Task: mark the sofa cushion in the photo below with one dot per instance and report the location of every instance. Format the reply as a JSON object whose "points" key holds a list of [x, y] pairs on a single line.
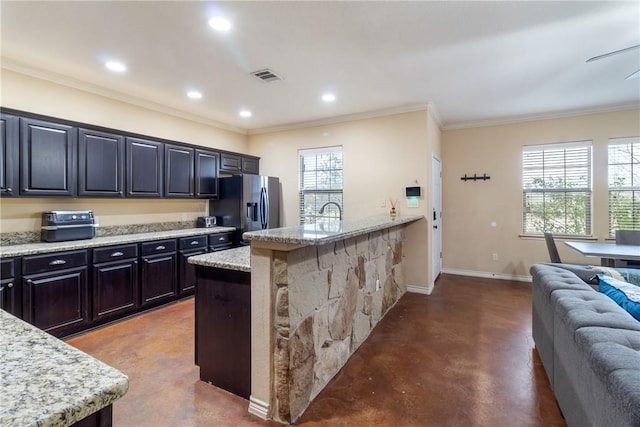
{"points": [[578, 309], [624, 294], [548, 278]]}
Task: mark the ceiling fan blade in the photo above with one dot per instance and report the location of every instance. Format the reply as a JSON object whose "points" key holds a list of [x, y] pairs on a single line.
{"points": [[615, 52], [632, 75]]}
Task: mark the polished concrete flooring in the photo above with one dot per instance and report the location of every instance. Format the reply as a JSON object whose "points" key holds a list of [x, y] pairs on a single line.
{"points": [[463, 356]]}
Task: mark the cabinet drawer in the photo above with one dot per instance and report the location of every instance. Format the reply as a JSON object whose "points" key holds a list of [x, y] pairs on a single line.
{"points": [[158, 247], [220, 239], [51, 262], [114, 253], [194, 242], [8, 268]]}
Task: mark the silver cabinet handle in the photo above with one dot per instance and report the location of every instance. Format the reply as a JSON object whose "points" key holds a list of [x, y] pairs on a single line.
{"points": [[220, 239], [58, 262], [159, 248], [10, 285], [194, 242], [117, 254], [9, 190]]}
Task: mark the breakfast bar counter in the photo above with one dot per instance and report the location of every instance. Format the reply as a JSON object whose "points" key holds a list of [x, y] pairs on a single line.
{"points": [[48, 383]]}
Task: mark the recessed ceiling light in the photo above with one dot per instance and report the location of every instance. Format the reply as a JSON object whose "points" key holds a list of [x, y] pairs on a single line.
{"points": [[245, 113], [219, 23], [328, 97], [116, 66], [194, 94]]}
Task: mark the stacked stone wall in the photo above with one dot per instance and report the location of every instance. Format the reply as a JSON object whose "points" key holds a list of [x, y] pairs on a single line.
{"points": [[327, 300]]}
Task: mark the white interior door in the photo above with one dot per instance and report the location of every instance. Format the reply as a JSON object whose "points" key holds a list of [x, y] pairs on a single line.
{"points": [[436, 217]]}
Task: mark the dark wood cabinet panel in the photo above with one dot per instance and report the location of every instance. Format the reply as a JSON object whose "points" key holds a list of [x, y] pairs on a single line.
{"points": [[10, 286], [206, 174], [144, 168], [189, 246], [230, 163], [223, 328], [178, 168], [9, 155], [115, 289], [100, 164], [158, 275], [250, 165], [48, 159], [102, 418], [57, 302]]}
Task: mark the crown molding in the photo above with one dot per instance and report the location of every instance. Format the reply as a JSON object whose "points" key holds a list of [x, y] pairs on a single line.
{"points": [[341, 119], [18, 67], [431, 107], [544, 116]]}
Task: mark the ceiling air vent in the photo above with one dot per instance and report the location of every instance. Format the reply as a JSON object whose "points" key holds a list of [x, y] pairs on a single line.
{"points": [[266, 75]]}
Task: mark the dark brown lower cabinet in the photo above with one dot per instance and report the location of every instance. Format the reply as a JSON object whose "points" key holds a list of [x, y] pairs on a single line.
{"points": [[189, 246], [10, 287], [158, 274], [223, 328], [102, 418], [115, 282]]}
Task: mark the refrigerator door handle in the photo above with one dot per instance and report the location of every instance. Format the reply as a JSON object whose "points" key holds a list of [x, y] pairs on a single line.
{"points": [[264, 211]]}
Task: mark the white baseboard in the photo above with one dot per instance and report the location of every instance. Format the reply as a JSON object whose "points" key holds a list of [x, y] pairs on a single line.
{"points": [[420, 289], [258, 408], [487, 275]]}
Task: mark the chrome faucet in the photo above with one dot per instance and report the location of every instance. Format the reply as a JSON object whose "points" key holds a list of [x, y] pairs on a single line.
{"points": [[321, 211]]}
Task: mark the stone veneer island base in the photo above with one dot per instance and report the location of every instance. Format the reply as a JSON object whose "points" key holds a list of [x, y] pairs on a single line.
{"points": [[316, 293]]}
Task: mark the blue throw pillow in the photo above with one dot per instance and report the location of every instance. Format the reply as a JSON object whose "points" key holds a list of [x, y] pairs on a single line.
{"points": [[624, 294]]}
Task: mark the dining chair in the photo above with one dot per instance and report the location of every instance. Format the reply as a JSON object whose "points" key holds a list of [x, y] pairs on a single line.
{"points": [[628, 237], [551, 247]]}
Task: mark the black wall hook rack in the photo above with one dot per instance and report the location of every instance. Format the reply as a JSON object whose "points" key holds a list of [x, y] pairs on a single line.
{"points": [[484, 177]]}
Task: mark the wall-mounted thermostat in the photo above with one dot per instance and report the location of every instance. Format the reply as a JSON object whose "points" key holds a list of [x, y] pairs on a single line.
{"points": [[413, 191]]}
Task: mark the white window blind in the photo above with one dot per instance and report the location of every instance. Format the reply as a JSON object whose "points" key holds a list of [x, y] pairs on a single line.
{"points": [[320, 182], [557, 188], [624, 184]]}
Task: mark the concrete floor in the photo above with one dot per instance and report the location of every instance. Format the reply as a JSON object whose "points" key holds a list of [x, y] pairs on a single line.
{"points": [[463, 356]]}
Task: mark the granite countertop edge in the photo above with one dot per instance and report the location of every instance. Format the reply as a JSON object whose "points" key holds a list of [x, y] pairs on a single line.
{"points": [[349, 228], [47, 382], [238, 259], [46, 247]]}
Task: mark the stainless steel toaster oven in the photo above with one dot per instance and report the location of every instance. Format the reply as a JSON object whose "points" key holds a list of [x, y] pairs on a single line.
{"points": [[61, 226]]}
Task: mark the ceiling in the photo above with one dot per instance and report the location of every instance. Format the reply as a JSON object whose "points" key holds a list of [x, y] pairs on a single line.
{"points": [[472, 62]]}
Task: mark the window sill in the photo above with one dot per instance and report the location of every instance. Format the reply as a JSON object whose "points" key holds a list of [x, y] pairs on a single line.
{"points": [[558, 237]]}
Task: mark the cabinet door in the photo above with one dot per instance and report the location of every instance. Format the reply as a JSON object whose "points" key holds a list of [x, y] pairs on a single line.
{"points": [[48, 159], [187, 281], [115, 289], [57, 303], [206, 179], [158, 279], [8, 155], [230, 163], [250, 165], [10, 295], [100, 164], [178, 168], [144, 168]]}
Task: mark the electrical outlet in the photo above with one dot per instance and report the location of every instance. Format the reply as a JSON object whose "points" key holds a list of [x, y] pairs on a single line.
{"points": [[383, 203], [494, 257], [377, 285], [184, 217]]}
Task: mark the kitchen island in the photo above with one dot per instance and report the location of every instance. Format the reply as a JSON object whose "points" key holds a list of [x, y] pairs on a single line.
{"points": [[46, 382], [315, 293]]}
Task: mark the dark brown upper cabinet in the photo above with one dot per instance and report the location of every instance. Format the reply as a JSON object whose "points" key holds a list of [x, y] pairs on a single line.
{"points": [[48, 158], [144, 168], [178, 167], [230, 163], [250, 165], [206, 178], [9, 155], [100, 164]]}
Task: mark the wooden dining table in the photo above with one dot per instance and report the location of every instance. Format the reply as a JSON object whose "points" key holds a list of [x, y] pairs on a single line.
{"points": [[607, 252]]}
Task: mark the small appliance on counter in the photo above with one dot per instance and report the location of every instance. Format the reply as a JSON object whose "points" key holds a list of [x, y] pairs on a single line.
{"points": [[61, 226], [206, 221]]}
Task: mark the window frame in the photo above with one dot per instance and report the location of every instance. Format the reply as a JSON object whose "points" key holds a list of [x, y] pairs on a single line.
{"points": [[634, 188], [564, 165], [333, 194]]}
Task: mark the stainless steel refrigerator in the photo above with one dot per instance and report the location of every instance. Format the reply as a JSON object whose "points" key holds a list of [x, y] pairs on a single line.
{"points": [[248, 203]]}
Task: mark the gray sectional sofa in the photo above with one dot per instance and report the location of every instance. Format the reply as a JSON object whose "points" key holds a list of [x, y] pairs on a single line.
{"points": [[589, 346]]}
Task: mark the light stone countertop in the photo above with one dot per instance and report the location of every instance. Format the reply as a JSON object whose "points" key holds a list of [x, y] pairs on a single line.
{"points": [[45, 247], [328, 231], [238, 259], [46, 382]]}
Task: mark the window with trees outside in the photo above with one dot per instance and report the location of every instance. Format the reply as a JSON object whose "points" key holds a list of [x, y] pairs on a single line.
{"points": [[320, 183], [624, 184], [557, 188]]}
